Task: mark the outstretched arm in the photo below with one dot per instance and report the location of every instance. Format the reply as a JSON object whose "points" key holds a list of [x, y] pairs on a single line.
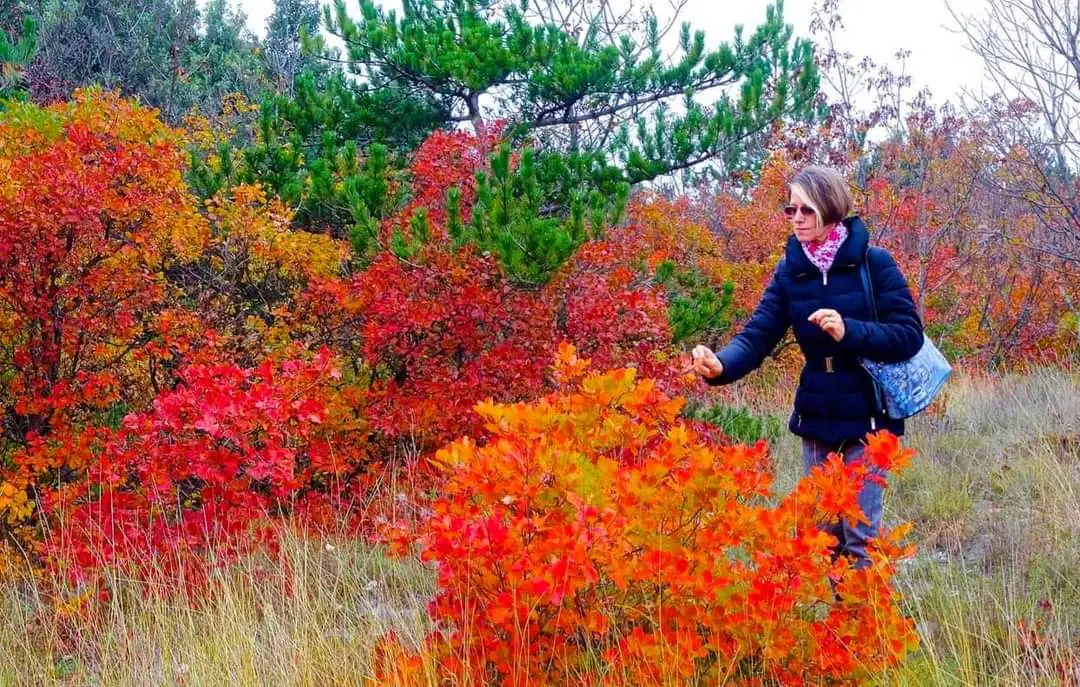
{"points": [[758, 338]]}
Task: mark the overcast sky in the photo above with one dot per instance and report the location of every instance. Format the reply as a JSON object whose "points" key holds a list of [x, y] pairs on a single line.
{"points": [[873, 28]]}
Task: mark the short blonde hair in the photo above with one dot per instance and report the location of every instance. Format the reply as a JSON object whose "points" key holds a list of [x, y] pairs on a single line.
{"points": [[825, 190]]}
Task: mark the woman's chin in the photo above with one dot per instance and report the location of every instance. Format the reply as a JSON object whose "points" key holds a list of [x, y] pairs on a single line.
{"points": [[805, 236]]}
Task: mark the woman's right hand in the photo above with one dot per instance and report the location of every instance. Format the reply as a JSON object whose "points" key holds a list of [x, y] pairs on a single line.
{"points": [[705, 362]]}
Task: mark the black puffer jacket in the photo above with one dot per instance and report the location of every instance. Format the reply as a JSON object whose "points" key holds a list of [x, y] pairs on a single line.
{"points": [[835, 401]]}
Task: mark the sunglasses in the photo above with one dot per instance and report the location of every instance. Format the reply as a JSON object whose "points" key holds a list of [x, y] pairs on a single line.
{"points": [[806, 210]]}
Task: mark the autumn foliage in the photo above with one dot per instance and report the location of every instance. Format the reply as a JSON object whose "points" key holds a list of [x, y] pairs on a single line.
{"points": [[431, 339], [183, 381], [592, 536], [93, 208], [202, 475]]}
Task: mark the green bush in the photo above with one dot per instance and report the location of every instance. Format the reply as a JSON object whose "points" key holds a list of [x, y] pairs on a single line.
{"points": [[738, 424]]}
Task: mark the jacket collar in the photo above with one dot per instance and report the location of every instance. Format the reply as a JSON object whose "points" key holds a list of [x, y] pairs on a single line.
{"points": [[852, 250]]}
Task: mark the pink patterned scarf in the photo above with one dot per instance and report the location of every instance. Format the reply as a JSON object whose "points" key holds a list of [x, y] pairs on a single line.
{"points": [[822, 253]]}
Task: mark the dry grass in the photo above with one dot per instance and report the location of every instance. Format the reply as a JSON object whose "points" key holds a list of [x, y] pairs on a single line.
{"points": [[995, 499], [994, 496], [311, 621]]}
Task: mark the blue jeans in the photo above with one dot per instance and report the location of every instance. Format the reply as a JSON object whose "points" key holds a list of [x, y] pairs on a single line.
{"points": [[852, 539]]}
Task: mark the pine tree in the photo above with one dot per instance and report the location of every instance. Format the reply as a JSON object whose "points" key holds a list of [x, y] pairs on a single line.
{"points": [[306, 149], [583, 88], [591, 110], [15, 55]]}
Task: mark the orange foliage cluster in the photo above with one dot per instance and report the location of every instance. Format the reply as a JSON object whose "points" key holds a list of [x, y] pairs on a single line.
{"points": [[594, 537]]}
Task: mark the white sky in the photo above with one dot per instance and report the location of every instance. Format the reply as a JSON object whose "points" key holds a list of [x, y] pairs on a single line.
{"points": [[873, 28]]}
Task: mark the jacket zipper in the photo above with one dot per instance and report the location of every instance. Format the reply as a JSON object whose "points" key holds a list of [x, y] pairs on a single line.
{"points": [[825, 282]]}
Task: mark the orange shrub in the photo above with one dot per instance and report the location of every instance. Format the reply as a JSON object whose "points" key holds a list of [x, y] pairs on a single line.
{"points": [[596, 538]]}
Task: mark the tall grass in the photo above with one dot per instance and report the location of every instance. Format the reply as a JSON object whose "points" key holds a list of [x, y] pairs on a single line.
{"points": [[308, 618], [995, 498], [995, 588]]}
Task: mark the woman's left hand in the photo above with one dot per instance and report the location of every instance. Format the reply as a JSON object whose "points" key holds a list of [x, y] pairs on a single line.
{"points": [[830, 322]]}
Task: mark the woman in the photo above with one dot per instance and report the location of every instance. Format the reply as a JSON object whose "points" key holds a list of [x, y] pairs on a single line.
{"points": [[818, 291]]}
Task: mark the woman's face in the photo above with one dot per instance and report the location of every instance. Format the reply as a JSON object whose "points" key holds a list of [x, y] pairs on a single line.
{"points": [[805, 221]]}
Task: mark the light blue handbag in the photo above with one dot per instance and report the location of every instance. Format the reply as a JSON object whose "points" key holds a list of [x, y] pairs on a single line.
{"points": [[906, 388]]}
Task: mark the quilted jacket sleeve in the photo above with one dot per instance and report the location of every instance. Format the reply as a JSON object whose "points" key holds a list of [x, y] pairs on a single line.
{"points": [[748, 349]]}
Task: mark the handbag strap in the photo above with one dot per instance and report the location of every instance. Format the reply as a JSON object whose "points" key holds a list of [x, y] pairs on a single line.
{"points": [[868, 289], [868, 285]]}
